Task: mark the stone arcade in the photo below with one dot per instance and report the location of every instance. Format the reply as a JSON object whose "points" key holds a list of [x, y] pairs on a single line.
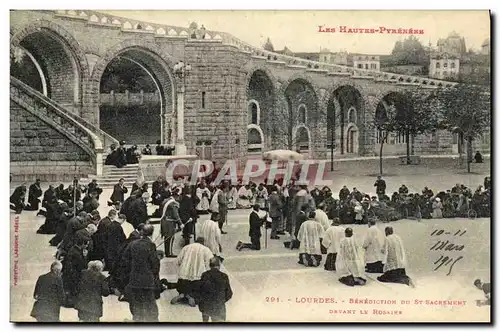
{"points": [[239, 100]]}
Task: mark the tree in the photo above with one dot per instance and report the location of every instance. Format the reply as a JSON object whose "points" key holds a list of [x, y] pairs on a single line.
{"points": [[409, 52], [385, 123], [466, 109], [419, 113]]}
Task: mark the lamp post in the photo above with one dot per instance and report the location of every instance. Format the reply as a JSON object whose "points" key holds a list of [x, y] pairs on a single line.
{"points": [[181, 71]]}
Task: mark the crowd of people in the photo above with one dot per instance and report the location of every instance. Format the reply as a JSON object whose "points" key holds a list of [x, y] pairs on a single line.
{"points": [[121, 156], [310, 221]]}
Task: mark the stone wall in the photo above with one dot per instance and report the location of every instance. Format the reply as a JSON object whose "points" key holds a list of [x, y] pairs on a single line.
{"points": [[39, 151], [222, 120]]}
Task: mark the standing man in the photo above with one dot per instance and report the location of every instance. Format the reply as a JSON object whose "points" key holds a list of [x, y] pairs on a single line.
{"points": [[187, 213], [73, 265], [215, 291], [115, 237], [275, 212], [223, 200], [381, 186], [48, 295], [119, 192], [395, 266], [169, 221], [144, 266]]}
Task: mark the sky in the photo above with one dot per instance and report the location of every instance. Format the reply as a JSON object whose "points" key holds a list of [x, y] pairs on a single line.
{"points": [[298, 30]]}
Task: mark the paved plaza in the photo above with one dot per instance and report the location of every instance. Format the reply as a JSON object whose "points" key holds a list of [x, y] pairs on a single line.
{"points": [[258, 278]]}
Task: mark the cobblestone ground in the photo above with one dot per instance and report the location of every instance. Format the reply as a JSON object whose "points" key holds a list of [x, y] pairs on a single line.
{"points": [[269, 284]]}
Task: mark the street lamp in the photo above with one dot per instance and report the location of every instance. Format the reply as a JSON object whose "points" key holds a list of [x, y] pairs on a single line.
{"points": [[181, 71]]}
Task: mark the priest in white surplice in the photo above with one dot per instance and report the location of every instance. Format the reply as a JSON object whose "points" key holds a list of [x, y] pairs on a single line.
{"points": [[331, 241], [350, 265], [395, 257], [321, 217], [309, 236], [373, 243], [193, 260], [210, 231], [203, 195], [214, 204], [244, 195], [232, 198]]}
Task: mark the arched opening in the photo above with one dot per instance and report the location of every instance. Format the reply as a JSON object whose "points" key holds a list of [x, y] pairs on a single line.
{"points": [[260, 96], [135, 93], [255, 140], [352, 139], [392, 106], [345, 108], [253, 112], [46, 62], [302, 139], [299, 109], [26, 68], [302, 114]]}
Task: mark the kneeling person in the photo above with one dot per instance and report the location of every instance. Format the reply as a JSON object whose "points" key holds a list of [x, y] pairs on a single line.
{"points": [[309, 236], [193, 260], [350, 265]]}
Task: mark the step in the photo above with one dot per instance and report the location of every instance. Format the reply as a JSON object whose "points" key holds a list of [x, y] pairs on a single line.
{"points": [[133, 166], [118, 176]]}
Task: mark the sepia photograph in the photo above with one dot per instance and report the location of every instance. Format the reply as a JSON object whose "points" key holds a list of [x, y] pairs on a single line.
{"points": [[250, 166]]}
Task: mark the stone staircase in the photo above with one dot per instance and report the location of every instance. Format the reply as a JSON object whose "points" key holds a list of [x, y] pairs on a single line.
{"points": [[111, 175]]}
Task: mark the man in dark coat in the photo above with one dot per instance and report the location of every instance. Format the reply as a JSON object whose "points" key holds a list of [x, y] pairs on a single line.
{"points": [[138, 211], [187, 211], [92, 288], [114, 238], [93, 187], [144, 266], [120, 158], [99, 238], [74, 224], [344, 193], [381, 186], [170, 220], [52, 214], [91, 203], [17, 199], [119, 192], [73, 264], [49, 295], [35, 192], [215, 291], [120, 274], [48, 196], [275, 211], [256, 222]]}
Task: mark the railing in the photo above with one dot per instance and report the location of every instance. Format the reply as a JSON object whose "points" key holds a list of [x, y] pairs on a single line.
{"points": [[59, 119], [105, 138], [130, 25]]}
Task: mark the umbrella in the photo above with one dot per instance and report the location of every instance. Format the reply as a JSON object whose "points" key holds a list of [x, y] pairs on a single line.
{"points": [[282, 155]]}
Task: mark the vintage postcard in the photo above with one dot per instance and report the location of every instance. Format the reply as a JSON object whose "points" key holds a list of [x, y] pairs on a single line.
{"points": [[250, 166]]}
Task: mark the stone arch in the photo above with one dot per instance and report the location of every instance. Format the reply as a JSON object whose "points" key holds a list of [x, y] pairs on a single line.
{"points": [[70, 46], [250, 116], [160, 64], [303, 77], [302, 117], [261, 87], [253, 146], [250, 69], [352, 138], [340, 107], [297, 131]]}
